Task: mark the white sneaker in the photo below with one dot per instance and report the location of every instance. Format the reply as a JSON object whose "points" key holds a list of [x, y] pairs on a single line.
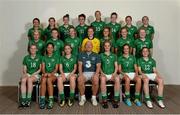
{"points": [[161, 104], [94, 101], [149, 104], [82, 101]]}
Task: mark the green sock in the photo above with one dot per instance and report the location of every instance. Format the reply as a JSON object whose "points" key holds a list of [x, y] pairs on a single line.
{"points": [[116, 95], [29, 95], [23, 95], [127, 94], [137, 95], [159, 98], [42, 97], [61, 95], [147, 98], [71, 95], [104, 96], [51, 98]]}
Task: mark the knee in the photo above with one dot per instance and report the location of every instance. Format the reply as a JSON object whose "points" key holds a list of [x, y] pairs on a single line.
{"points": [[117, 80], [80, 80], [49, 81], [146, 80], [103, 80], [72, 78], [43, 80], [59, 79], [95, 81], [23, 80], [138, 80], [160, 81], [127, 80]]}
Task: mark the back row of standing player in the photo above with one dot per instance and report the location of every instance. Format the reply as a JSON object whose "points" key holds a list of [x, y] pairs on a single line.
{"points": [[98, 32]]}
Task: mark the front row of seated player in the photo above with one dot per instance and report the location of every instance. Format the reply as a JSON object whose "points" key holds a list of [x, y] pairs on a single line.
{"points": [[91, 66]]}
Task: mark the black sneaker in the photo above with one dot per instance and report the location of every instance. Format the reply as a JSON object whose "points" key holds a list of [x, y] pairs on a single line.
{"points": [[42, 103], [105, 104], [70, 102], [62, 103], [22, 102], [28, 102], [115, 104], [50, 104]]}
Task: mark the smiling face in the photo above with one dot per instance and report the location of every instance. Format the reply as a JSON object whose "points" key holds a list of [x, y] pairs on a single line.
{"points": [[33, 49], [50, 49], [36, 23], [54, 34], [113, 18], [67, 50], [36, 35], [107, 46], [145, 20], [88, 46], [98, 15], [145, 52], [90, 32], [126, 49], [52, 22], [128, 21], [106, 32], [66, 20], [142, 33], [81, 20], [124, 33], [72, 32]]}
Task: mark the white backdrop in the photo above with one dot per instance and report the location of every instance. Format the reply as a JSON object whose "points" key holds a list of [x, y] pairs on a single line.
{"points": [[15, 16]]}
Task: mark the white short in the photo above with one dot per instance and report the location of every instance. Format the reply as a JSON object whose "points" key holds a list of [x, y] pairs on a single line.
{"points": [[56, 74], [88, 75], [108, 77], [151, 76], [67, 76], [130, 75], [36, 76]]}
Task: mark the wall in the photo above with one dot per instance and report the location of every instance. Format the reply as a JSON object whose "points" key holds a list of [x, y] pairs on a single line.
{"points": [[16, 17]]}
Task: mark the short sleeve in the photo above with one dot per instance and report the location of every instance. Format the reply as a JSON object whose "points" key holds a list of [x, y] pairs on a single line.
{"points": [[24, 61], [98, 60], [80, 57]]}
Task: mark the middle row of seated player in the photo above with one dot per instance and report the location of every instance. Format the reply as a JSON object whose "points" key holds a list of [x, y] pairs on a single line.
{"points": [[135, 46], [90, 67]]}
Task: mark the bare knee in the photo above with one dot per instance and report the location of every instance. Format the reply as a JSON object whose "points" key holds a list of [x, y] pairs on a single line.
{"points": [[80, 80]]}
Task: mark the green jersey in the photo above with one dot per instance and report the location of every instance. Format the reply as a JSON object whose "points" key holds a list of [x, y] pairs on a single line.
{"points": [[75, 44], [132, 31], [139, 44], [98, 26], [81, 32], [58, 46], [108, 63], [115, 28], [50, 63], [68, 64], [149, 31], [147, 66], [64, 31], [102, 40], [127, 63], [121, 42], [39, 44], [32, 64], [31, 33], [47, 33]]}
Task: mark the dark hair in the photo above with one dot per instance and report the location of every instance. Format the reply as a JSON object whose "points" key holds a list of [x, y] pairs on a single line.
{"points": [[50, 43], [36, 19], [97, 12], [82, 15], [110, 33], [143, 49], [121, 31], [90, 27], [67, 45], [52, 18], [124, 46], [128, 17], [145, 17], [55, 29], [66, 16], [107, 41], [29, 46], [114, 13]]}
